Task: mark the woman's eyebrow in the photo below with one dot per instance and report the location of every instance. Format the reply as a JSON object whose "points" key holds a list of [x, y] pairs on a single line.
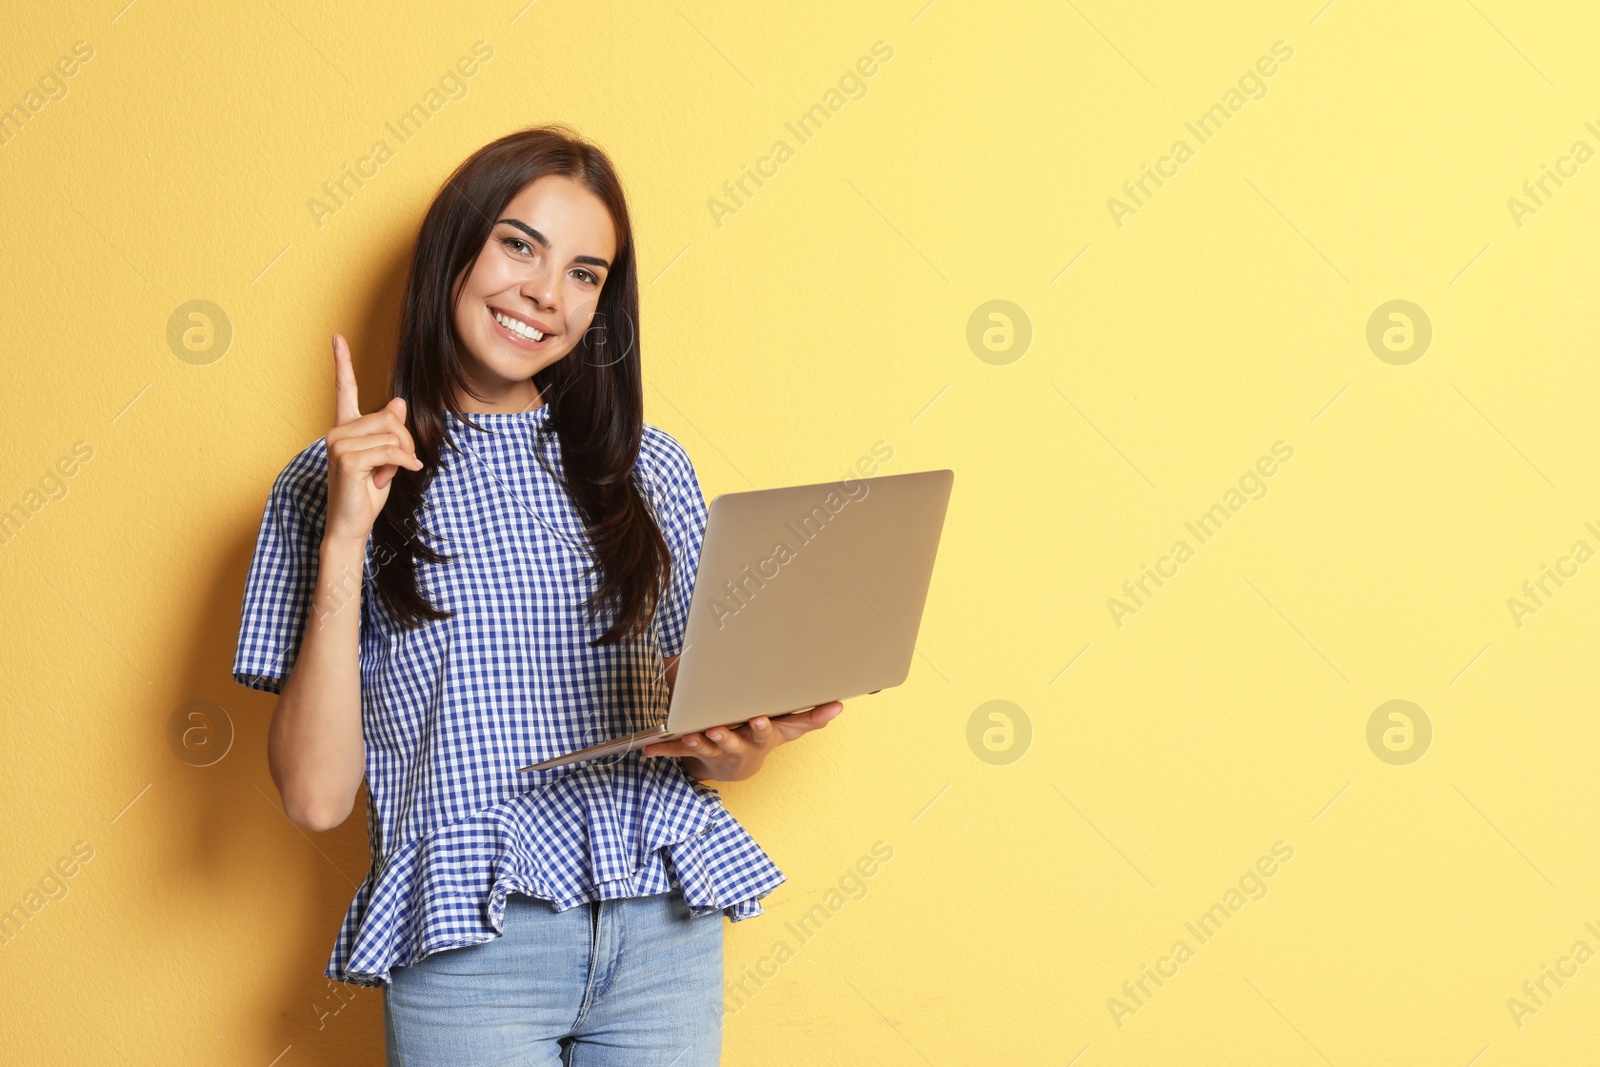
{"points": [[544, 242]]}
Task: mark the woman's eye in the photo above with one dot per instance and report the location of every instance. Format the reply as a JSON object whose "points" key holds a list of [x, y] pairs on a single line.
{"points": [[589, 277], [520, 244]]}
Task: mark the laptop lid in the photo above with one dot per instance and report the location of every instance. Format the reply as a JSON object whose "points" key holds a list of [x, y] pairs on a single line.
{"points": [[806, 594]]}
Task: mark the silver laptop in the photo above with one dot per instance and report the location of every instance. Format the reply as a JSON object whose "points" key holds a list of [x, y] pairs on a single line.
{"points": [[803, 595]]}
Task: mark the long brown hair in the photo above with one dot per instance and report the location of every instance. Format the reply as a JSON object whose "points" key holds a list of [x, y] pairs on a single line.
{"points": [[594, 392]]}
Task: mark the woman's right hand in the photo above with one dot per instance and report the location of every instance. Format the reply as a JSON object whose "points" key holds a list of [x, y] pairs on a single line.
{"points": [[364, 451]]}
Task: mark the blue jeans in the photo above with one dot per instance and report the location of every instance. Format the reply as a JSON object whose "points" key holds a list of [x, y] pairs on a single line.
{"points": [[634, 981]]}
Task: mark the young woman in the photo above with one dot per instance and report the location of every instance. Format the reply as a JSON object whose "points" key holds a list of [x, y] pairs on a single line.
{"points": [[491, 569]]}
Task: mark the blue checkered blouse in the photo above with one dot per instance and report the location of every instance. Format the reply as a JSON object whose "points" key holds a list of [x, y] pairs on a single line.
{"points": [[450, 710]]}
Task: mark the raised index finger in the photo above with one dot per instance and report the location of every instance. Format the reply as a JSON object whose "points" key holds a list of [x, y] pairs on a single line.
{"points": [[345, 406]]}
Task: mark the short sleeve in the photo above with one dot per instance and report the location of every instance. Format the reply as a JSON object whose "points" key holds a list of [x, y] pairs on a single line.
{"points": [[682, 509], [281, 585]]}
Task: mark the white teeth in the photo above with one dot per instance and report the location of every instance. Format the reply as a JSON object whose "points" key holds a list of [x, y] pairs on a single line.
{"points": [[518, 327]]}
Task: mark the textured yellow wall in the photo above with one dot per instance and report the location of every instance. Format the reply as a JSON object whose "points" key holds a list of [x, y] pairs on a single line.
{"points": [[1381, 879]]}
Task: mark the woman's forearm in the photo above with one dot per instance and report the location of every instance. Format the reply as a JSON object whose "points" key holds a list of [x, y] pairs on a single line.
{"points": [[315, 747]]}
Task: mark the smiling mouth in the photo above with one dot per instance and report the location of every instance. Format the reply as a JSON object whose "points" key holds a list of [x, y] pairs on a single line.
{"points": [[518, 330]]}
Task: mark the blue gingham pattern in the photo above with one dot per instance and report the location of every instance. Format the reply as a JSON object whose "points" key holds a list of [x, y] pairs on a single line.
{"points": [[451, 709]]}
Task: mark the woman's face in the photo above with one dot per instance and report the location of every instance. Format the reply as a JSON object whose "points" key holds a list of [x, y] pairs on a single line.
{"points": [[541, 271]]}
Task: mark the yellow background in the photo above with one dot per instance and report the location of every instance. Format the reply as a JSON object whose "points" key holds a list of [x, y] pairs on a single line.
{"points": [[828, 313]]}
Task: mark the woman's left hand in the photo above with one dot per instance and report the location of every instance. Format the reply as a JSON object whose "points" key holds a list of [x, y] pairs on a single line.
{"points": [[728, 754]]}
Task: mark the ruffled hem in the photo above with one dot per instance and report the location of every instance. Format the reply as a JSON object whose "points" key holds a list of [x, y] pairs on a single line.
{"points": [[569, 841]]}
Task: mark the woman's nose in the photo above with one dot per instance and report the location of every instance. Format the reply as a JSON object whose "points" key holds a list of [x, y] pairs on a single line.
{"points": [[540, 287]]}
